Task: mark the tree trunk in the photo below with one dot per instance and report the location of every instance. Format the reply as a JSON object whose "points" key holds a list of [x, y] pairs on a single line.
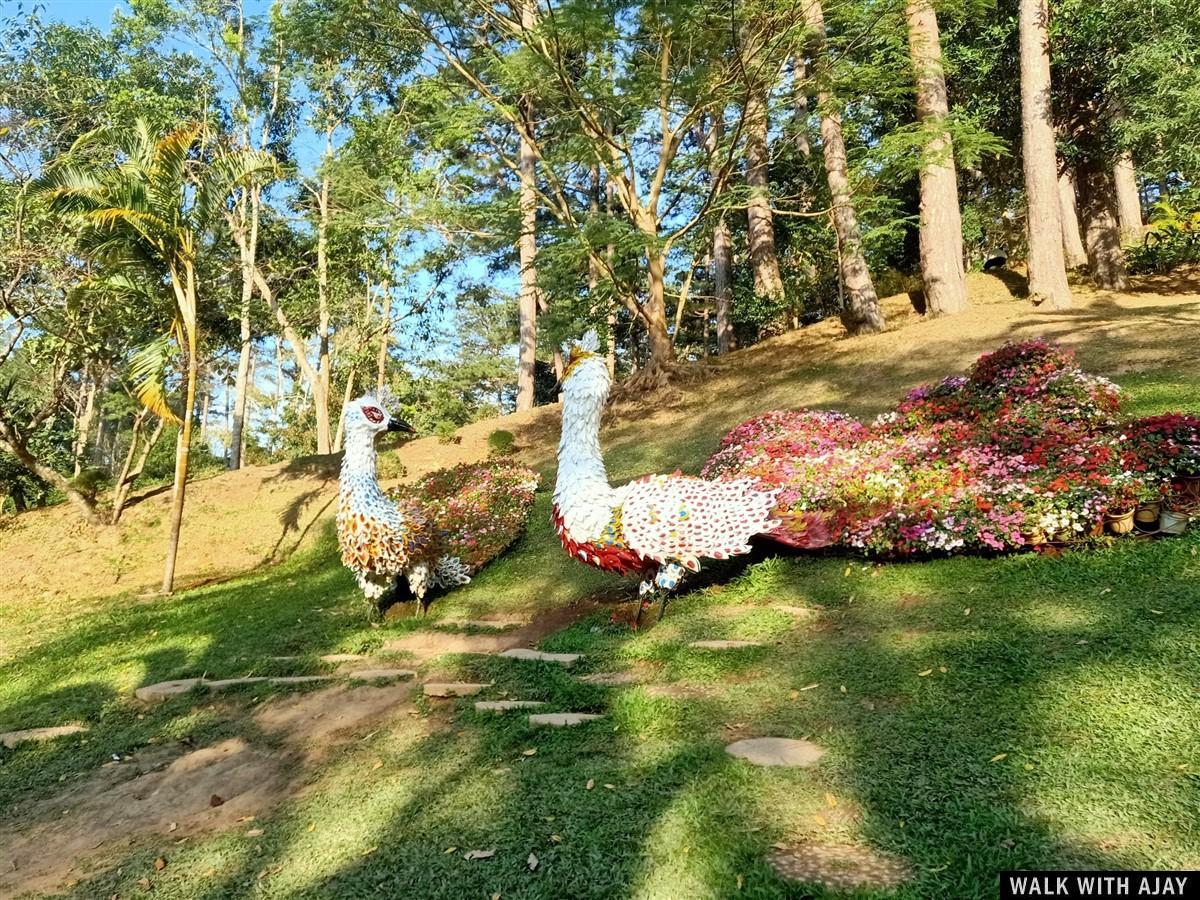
{"points": [[654, 314], [861, 312], [248, 253], [320, 394], [722, 254], [941, 219], [83, 421], [1044, 219], [528, 302], [1076, 256], [385, 338], [1101, 231], [1129, 201], [761, 223], [130, 471], [800, 106], [183, 446], [14, 443]]}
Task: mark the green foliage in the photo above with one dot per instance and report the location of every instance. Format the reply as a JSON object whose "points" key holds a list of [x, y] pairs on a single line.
{"points": [[500, 442]]}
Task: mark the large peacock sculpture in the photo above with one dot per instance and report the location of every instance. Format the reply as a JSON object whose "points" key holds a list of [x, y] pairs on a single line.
{"points": [[658, 526], [381, 540]]}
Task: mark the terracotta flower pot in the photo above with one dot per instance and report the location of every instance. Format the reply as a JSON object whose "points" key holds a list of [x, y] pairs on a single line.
{"points": [[1173, 522], [1146, 515], [1120, 522]]}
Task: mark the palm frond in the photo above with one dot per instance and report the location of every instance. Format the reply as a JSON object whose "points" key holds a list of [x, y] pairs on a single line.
{"points": [[147, 369]]}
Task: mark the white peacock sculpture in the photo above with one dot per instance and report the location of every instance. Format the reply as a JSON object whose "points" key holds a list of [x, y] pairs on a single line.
{"points": [[659, 526], [381, 540]]}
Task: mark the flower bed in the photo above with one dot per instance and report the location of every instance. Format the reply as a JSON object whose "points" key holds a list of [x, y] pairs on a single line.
{"points": [[1025, 449], [479, 509]]}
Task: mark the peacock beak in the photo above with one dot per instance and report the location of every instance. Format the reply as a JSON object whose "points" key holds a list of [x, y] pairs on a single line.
{"points": [[400, 425]]}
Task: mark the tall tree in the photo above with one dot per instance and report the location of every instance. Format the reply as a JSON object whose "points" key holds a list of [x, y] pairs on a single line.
{"points": [[862, 312], [1101, 227], [1129, 200], [1047, 267], [941, 219], [764, 259], [1076, 256], [528, 304]]}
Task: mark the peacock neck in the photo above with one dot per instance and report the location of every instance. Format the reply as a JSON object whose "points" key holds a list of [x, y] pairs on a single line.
{"points": [[358, 480], [582, 492]]}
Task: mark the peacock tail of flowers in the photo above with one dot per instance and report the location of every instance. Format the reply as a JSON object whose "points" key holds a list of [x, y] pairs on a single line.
{"points": [[1024, 449], [478, 509]]}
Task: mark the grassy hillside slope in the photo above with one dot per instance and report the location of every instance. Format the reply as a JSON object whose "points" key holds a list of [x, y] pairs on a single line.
{"points": [[978, 714]]}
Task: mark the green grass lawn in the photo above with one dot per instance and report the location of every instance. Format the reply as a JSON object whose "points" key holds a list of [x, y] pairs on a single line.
{"points": [[979, 714]]}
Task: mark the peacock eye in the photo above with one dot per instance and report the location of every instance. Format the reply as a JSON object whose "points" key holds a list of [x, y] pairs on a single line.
{"points": [[373, 414]]}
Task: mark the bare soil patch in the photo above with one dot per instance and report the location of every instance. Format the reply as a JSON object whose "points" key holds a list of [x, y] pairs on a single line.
{"points": [[166, 794]]}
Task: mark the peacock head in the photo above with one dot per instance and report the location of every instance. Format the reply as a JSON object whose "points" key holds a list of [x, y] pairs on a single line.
{"points": [[586, 378], [368, 415]]}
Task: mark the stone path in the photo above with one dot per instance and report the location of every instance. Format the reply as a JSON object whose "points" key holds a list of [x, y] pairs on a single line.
{"points": [[566, 659], [562, 719], [505, 705], [163, 690], [842, 867], [11, 739], [774, 751], [724, 645], [453, 688]]}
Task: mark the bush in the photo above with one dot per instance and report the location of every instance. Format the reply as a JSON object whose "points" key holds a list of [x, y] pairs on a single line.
{"points": [[1026, 448], [501, 442]]}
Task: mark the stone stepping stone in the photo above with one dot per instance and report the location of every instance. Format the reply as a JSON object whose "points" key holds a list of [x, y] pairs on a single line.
{"points": [[724, 645], [609, 679], [503, 705], [342, 657], [840, 867], [773, 751], [380, 674], [562, 720], [11, 739], [452, 688], [298, 679], [233, 682], [166, 689], [566, 659]]}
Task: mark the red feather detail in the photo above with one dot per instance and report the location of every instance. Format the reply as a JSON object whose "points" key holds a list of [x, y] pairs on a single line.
{"points": [[619, 560]]}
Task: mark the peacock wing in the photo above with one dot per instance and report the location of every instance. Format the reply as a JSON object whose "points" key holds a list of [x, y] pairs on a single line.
{"points": [[684, 519]]}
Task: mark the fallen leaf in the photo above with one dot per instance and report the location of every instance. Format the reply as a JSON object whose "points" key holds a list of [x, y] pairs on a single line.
{"points": [[369, 851], [1157, 612], [942, 669], [378, 765], [780, 846], [216, 800], [480, 854], [810, 687], [246, 819], [998, 757], [591, 783], [842, 689], [926, 672], [450, 849], [549, 818], [794, 695], [611, 787], [254, 832], [1008, 843], [532, 751], [830, 800], [532, 862], [172, 826], [846, 574], [556, 838], [1029, 767], [967, 611], [143, 883], [312, 826], [496, 896], [740, 882], [821, 821], [160, 864]]}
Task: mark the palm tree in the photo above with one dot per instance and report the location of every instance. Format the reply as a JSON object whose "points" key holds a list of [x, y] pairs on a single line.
{"points": [[144, 203]]}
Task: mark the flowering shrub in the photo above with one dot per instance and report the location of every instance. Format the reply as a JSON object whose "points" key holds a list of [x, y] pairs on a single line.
{"points": [[479, 509], [1026, 448]]}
